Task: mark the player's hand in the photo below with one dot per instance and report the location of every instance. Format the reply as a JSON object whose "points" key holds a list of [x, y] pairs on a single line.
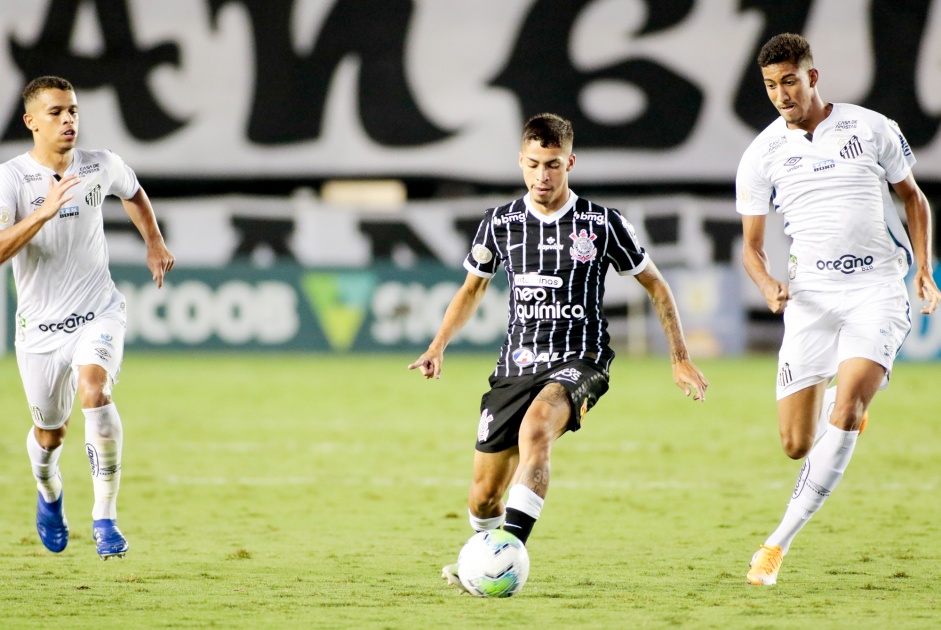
{"points": [[776, 296], [429, 363], [688, 378], [159, 261], [57, 196], [927, 291]]}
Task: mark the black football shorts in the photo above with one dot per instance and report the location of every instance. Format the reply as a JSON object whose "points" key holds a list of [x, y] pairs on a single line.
{"points": [[503, 407]]}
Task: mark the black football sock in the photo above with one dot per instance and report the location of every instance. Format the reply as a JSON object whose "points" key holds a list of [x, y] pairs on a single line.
{"points": [[519, 524]]}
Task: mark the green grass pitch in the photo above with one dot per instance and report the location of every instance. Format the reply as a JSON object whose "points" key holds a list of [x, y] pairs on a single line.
{"points": [[327, 492]]}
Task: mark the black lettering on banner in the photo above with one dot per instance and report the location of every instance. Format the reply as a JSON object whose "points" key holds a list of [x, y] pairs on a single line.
{"points": [[255, 232], [541, 74], [467, 227], [291, 90], [663, 230], [122, 66], [895, 93], [751, 101], [387, 236], [723, 235]]}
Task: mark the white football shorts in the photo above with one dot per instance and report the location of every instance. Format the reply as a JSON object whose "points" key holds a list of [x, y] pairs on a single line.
{"points": [[824, 328], [51, 378]]}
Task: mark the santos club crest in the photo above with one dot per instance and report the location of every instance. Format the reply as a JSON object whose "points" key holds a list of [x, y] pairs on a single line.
{"points": [[583, 247]]}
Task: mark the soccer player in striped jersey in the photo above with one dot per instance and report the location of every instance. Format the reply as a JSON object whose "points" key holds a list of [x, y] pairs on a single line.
{"points": [[824, 166], [555, 248], [70, 319]]}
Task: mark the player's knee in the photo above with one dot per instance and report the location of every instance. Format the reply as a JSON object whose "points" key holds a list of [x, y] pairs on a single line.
{"points": [[51, 438], [796, 446], [847, 416], [93, 392], [485, 501]]}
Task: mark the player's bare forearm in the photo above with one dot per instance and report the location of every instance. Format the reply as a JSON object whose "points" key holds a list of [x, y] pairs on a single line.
{"points": [[141, 212], [463, 305], [686, 375], [758, 267], [918, 213], [665, 307], [14, 238]]}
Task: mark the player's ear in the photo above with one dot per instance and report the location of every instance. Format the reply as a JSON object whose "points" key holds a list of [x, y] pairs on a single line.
{"points": [[814, 75], [571, 163], [28, 121]]}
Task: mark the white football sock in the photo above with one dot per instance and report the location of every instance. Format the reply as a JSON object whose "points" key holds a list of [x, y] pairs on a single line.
{"points": [[485, 524], [525, 500], [822, 471], [823, 423], [45, 467], [103, 439]]}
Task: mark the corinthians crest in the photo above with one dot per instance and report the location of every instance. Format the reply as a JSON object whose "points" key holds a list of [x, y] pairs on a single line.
{"points": [[583, 247]]}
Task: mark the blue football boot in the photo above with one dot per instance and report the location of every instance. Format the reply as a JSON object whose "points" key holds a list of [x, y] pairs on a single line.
{"points": [[110, 541], [51, 524]]}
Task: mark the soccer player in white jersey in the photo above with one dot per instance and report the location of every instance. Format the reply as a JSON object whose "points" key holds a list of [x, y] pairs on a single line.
{"points": [[824, 166], [70, 320], [555, 249]]}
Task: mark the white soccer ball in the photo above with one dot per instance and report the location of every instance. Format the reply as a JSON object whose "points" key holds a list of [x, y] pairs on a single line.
{"points": [[493, 564]]}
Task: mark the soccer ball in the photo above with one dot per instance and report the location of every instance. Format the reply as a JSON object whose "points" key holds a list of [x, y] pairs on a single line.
{"points": [[493, 564]]}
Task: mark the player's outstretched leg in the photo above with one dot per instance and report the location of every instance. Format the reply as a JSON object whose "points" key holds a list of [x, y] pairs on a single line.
{"points": [[821, 473], [51, 524], [103, 441]]}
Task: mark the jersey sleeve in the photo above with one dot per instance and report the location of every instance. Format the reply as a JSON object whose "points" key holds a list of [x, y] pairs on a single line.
{"points": [[895, 156], [124, 182], [752, 190], [484, 255], [625, 253], [8, 197]]}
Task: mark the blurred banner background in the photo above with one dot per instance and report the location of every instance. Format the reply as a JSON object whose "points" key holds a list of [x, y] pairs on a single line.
{"points": [[318, 167]]}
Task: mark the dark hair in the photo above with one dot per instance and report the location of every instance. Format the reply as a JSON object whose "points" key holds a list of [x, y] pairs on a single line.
{"points": [[786, 48], [39, 84], [549, 130]]}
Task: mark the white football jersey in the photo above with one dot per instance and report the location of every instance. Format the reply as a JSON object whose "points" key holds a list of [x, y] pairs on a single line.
{"points": [[833, 194], [62, 276]]}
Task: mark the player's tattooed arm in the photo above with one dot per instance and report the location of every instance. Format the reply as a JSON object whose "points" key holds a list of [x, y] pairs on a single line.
{"points": [[686, 375]]}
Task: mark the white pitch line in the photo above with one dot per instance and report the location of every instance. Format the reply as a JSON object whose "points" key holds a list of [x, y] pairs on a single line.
{"points": [[432, 482]]}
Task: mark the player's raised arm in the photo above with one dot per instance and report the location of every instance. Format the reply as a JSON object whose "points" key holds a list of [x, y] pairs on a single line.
{"points": [[141, 212], [757, 265], [462, 306], [686, 375], [18, 235]]}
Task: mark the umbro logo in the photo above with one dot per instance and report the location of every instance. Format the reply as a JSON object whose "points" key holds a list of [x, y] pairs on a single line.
{"points": [[38, 201]]}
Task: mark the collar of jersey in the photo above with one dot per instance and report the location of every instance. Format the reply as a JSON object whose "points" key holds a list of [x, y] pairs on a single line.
{"points": [[555, 216], [46, 168]]}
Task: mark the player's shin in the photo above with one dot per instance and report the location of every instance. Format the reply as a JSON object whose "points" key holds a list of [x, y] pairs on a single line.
{"points": [[45, 464], [523, 507], [103, 440], [822, 471]]}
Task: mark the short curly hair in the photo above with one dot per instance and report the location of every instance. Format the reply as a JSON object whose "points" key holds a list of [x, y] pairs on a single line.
{"points": [[549, 130], [786, 48], [40, 84]]}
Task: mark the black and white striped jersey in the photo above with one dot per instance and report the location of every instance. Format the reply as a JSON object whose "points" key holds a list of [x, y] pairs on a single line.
{"points": [[555, 266]]}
